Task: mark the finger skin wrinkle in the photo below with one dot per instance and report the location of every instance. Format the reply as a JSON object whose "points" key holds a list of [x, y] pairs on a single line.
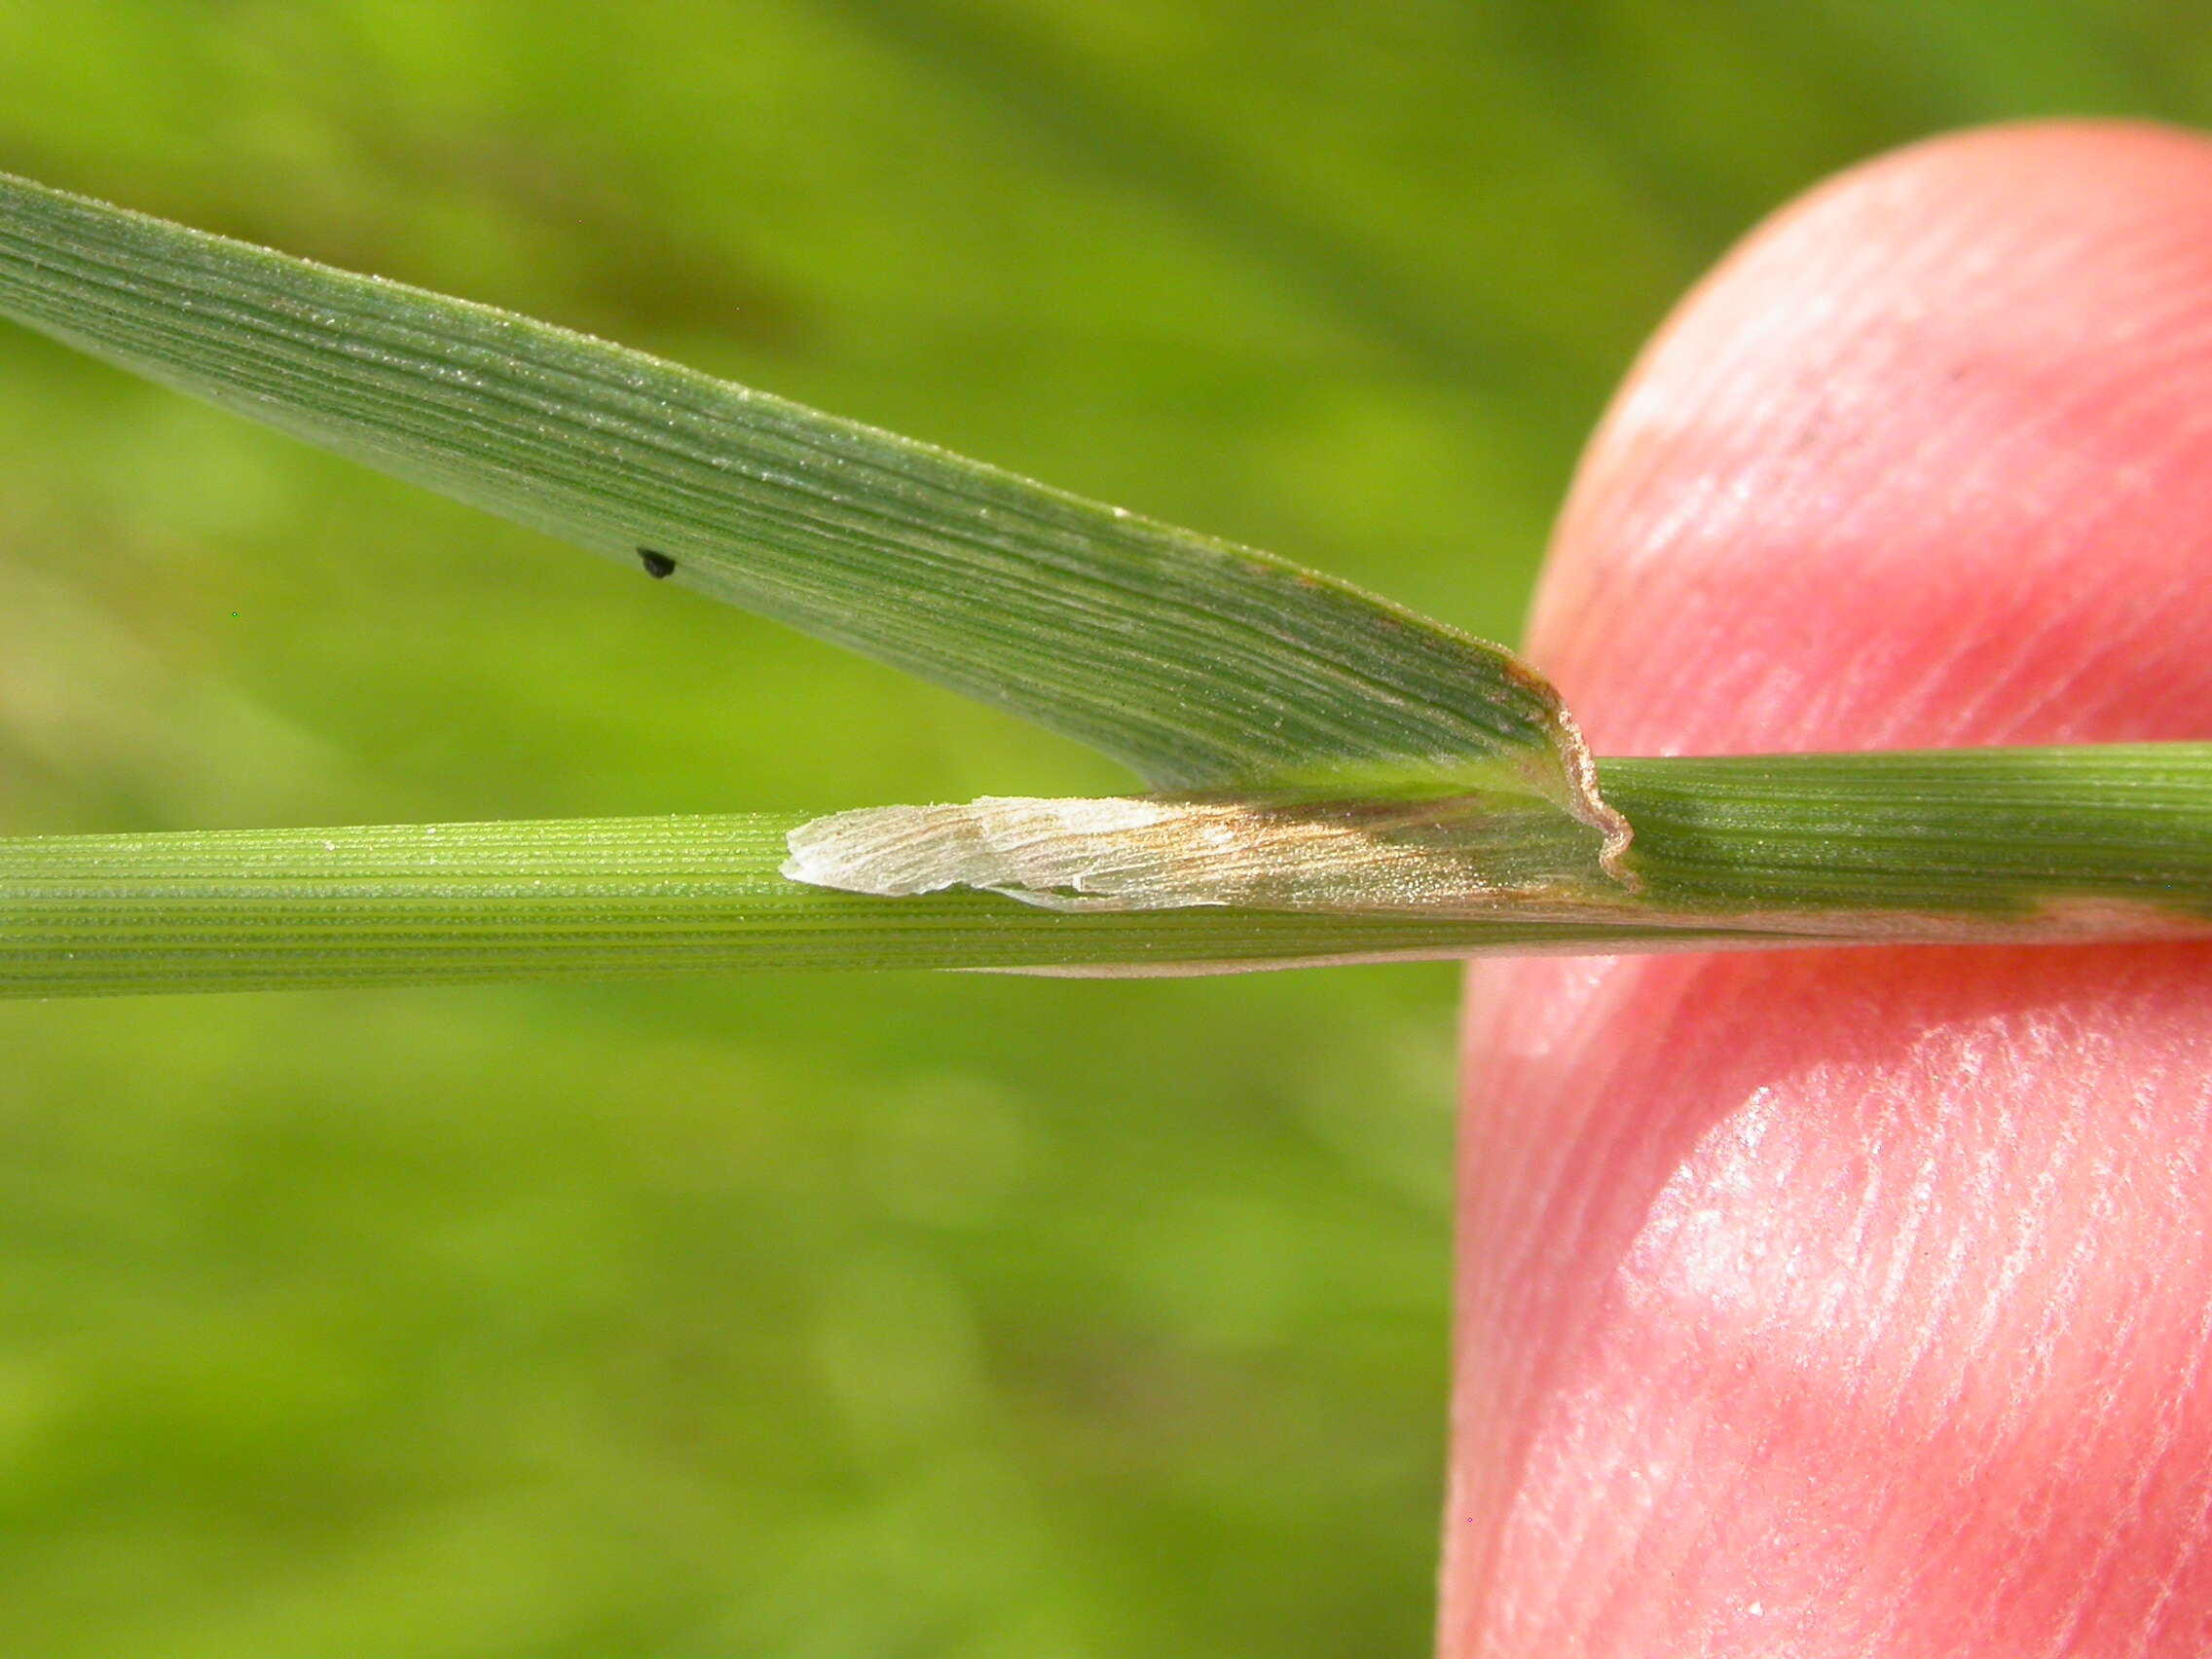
{"points": [[1856, 1303]]}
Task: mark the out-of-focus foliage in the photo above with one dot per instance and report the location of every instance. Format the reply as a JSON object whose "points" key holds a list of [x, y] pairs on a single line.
{"points": [[926, 1316]]}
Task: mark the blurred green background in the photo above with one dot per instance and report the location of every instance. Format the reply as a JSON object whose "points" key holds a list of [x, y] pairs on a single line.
{"points": [[819, 1316]]}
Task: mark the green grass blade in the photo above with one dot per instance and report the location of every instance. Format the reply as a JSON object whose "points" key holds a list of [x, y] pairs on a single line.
{"points": [[1990, 845], [208, 911], [1199, 663]]}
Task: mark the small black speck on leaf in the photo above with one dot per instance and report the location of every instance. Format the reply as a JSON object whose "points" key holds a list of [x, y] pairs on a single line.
{"points": [[657, 564]]}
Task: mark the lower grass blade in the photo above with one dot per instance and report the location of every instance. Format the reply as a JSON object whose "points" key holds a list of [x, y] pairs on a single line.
{"points": [[1991, 845], [416, 905]]}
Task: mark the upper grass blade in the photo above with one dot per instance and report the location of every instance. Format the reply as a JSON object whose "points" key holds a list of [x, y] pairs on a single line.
{"points": [[1201, 663]]}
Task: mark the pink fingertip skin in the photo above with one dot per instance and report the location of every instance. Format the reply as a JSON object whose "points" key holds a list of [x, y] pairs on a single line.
{"points": [[1860, 1303]]}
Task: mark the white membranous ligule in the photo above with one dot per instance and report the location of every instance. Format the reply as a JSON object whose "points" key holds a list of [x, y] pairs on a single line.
{"points": [[1147, 853]]}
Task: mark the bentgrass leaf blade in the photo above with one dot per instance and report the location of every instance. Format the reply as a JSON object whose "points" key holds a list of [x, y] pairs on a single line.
{"points": [[1201, 663]]}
